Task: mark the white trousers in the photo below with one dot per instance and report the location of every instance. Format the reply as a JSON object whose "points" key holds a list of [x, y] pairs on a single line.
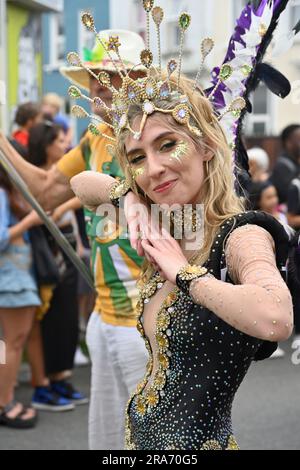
{"points": [[119, 358]]}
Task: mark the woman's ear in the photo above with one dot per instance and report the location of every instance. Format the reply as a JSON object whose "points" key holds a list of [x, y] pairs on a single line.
{"points": [[208, 155], [208, 150]]}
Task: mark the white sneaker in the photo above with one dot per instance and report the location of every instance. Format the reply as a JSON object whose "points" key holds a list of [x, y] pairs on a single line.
{"points": [[80, 358], [278, 353]]}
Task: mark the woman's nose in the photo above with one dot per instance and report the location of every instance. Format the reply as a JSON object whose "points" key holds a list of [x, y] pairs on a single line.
{"points": [[155, 166]]}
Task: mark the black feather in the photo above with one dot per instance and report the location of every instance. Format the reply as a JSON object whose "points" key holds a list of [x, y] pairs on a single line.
{"points": [[254, 81], [296, 28], [273, 79], [255, 3]]}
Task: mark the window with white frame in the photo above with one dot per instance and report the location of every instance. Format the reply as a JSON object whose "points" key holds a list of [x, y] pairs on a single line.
{"points": [[259, 122], [58, 39], [86, 38]]}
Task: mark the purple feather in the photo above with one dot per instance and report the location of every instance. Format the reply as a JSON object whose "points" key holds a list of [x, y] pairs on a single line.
{"points": [[250, 82]]}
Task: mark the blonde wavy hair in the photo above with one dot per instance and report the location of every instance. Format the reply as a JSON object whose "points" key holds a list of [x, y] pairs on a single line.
{"points": [[219, 198]]}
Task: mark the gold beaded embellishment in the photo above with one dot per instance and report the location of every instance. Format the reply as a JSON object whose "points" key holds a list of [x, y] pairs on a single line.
{"points": [[118, 190], [190, 272], [147, 398]]}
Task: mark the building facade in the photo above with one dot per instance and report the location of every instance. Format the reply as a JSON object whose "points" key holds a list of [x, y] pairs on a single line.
{"points": [[62, 33], [21, 53]]}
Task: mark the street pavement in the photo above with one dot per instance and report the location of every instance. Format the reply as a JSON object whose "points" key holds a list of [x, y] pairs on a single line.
{"points": [[266, 412]]}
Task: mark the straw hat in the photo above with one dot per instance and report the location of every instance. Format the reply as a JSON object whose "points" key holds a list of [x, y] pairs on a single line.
{"points": [[132, 45]]}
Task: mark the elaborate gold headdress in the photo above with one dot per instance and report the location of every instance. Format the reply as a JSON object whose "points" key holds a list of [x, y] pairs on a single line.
{"points": [[146, 92]]}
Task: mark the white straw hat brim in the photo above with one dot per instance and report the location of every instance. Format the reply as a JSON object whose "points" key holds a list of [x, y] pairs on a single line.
{"points": [[81, 77]]}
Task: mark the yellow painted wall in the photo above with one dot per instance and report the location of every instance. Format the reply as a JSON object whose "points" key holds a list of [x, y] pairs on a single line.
{"points": [[17, 19]]}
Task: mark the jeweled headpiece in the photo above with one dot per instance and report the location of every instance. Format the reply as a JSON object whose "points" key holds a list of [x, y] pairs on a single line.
{"points": [[232, 83], [153, 88]]}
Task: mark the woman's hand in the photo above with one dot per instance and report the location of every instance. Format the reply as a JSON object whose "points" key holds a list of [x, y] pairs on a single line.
{"points": [[137, 217], [165, 252]]}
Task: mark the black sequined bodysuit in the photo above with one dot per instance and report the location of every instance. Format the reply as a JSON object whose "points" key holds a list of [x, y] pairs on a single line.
{"points": [[202, 362]]}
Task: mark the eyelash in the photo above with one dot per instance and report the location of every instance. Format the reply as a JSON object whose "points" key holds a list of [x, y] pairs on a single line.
{"points": [[169, 145], [166, 147], [135, 160]]}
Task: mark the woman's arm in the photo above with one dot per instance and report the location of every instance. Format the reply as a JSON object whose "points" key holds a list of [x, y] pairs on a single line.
{"points": [[4, 220], [71, 205], [51, 187], [25, 224], [9, 234], [92, 188], [260, 303], [293, 220]]}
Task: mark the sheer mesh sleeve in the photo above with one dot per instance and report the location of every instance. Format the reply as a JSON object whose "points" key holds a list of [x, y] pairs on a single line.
{"points": [[259, 303]]}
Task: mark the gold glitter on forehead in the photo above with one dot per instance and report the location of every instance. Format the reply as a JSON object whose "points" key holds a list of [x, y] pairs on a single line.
{"points": [[181, 150]]}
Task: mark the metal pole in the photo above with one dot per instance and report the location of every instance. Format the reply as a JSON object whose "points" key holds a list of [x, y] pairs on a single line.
{"points": [[55, 232]]}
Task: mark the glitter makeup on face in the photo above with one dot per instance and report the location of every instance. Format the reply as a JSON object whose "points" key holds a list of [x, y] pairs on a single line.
{"points": [[180, 151], [137, 172]]}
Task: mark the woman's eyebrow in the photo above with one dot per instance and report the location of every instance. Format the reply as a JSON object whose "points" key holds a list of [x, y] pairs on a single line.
{"points": [[160, 136]]}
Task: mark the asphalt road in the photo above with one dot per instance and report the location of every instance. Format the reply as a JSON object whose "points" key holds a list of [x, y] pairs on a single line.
{"points": [[266, 412]]}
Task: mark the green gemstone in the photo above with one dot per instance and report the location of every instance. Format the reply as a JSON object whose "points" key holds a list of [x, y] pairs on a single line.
{"points": [[184, 21], [236, 113], [74, 92], [225, 72], [93, 129], [246, 70]]}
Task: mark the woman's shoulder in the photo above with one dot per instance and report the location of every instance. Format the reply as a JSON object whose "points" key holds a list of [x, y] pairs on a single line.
{"points": [[247, 232], [246, 240], [245, 229], [259, 223], [259, 220]]}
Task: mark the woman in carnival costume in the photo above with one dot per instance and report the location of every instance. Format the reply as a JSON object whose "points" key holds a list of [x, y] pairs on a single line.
{"points": [[213, 299]]}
